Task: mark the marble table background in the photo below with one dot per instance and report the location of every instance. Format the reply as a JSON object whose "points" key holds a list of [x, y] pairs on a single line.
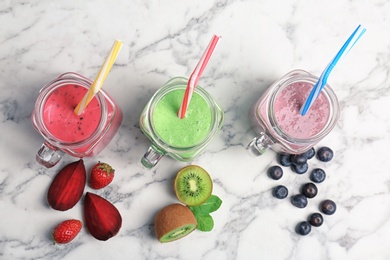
{"points": [[261, 41]]}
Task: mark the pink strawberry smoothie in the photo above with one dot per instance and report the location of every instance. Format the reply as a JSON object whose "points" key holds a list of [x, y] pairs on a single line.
{"points": [[286, 108], [60, 119]]}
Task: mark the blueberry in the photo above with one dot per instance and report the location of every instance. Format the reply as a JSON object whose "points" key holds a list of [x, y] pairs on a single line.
{"points": [[299, 159], [317, 175], [310, 153], [275, 172], [300, 169], [309, 190], [299, 201], [280, 192], [303, 228], [316, 219], [328, 207], [284, 159], [324, 154]]}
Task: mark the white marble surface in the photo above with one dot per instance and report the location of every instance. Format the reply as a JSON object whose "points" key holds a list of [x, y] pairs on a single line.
{"points": [[261, 41]]}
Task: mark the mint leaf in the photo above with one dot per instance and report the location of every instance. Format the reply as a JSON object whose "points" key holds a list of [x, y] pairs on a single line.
{"points": [[201, 212], [205, 222], [211, 205], [197, 210]]}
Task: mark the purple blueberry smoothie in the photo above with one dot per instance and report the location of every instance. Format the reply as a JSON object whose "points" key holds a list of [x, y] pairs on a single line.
{"points": [[286, 108], [277, 120]]}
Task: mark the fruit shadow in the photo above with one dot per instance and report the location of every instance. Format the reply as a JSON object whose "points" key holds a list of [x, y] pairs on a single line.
{"points": [[49, 233], [44, 200], [51, 172], [168, 184]]}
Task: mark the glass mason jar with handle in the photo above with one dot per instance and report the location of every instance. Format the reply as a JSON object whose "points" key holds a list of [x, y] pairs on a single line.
{"points": [[277, 120], [83, 135], [182, 139]]}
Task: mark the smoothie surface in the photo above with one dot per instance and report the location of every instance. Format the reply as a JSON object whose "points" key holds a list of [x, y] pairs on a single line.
{"points": [[186, 132], [286, 108], [60, 119]]}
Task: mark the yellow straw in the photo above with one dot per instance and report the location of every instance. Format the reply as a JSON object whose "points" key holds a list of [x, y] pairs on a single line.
{"points": [[97, 84]]}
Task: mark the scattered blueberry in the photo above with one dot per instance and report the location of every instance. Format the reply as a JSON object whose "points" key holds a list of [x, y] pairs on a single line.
{"points": [[316, 219], [303, 228], [309, 190], [300, 169], [299, 201], [324, 154], [275, 172], [310, 153], [280, 192], [299, 164], [317, 175], [328, 207], [299, 159], [284, 159]]}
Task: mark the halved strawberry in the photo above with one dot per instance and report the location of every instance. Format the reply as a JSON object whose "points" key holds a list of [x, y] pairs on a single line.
{"points": [[102, 174]]}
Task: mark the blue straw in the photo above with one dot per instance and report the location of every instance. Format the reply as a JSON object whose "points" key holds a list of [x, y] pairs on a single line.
{"points": [[355, 36]]}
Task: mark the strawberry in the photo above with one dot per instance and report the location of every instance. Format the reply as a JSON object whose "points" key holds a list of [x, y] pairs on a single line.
{"points": [[66, 231], [102, 174]]}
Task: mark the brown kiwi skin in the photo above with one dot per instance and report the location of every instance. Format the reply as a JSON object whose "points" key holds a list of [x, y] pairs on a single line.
{"points": [[172, 217], [200, 201]]}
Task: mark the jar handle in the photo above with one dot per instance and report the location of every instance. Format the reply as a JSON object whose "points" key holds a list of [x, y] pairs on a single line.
{"points": [[48, 156], [259, 145], [151, 157]]}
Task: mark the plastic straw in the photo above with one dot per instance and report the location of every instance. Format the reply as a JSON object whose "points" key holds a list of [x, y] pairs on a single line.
{"points": [[101, 77], [355, 36], [194, 78]]}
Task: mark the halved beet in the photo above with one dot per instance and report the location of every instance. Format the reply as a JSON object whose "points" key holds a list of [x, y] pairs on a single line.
{"points": [[102, 218], [67, 187]]}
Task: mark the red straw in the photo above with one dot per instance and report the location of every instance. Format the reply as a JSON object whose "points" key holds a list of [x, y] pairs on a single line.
{"points": [[194, 78]]}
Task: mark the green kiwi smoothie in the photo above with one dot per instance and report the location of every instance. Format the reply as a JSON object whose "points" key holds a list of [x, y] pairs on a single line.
{"points": [[186, 132]]}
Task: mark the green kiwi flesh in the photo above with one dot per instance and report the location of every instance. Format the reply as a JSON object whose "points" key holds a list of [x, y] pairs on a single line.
{"points": [[174, 222], [177, 233], [193, 185]]}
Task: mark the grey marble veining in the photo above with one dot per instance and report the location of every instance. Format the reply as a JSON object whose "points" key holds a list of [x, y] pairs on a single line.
{"points": [[261, 41]]}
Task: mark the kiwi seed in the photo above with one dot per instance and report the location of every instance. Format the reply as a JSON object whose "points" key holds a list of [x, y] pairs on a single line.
{"points": [[174, 222], [193, 185]]}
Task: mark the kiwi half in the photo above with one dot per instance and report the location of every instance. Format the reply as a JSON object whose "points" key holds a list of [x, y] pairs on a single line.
{"points": [[174, 222], [193, 185]]}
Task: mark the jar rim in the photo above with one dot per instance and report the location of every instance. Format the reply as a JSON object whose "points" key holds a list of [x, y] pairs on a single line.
{"points": [[326, 91], [175, 84], [48, 89]]}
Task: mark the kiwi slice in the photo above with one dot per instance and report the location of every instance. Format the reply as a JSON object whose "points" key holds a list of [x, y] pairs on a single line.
{"points": [[193, 185], [174, 222]]}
